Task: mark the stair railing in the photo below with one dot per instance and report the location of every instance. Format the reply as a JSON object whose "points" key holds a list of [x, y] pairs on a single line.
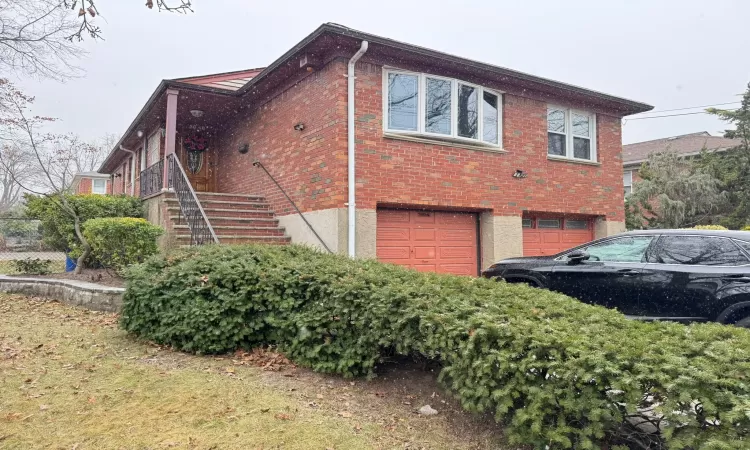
{"points": [[294, 205], [201, 231]]}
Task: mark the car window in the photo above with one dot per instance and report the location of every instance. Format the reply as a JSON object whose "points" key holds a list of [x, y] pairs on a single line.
{"points": [[625, 249], [699, 250], [744, 245]]}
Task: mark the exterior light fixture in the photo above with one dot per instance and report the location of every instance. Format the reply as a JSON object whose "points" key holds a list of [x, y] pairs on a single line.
{"points": [[140, 133], [197, 113], [244, 148], [300, 126], [519, 174]]}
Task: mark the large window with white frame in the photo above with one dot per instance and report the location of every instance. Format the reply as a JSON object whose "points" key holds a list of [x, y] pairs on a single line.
{"points": [[99, 186], [571, 134], [154, 148], [627, 181], [433, 106]]}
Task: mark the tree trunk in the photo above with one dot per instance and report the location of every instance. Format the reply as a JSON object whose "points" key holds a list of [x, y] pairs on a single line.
{"points": [[86, 247]]}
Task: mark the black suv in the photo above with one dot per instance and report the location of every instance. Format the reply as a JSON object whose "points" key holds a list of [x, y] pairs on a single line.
{"points": [[681, 275]]}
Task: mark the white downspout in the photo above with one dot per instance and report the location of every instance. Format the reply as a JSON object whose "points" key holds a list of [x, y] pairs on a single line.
{"points": [[350, 130], [132, 169]]}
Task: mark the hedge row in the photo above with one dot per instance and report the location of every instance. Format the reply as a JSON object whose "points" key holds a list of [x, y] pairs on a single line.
{"points": [[556, 372], [117, 242]]}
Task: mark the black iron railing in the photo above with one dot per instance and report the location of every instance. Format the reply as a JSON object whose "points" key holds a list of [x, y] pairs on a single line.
{"points": [[152, 179], [201, 231]]}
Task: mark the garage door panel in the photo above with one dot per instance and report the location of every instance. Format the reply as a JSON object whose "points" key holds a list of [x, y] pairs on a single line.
{"points": [[429, 241], [551, 241], [424, 234], [424, 252]]}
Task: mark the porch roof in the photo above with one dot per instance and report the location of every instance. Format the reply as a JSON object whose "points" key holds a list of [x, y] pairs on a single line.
{"points": [[331, 41]]}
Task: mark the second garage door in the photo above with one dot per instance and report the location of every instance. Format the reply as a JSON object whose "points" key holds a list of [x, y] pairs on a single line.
{"points": [[429, 241], [552, 235]]}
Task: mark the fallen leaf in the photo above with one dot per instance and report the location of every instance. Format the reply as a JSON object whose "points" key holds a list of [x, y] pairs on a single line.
{"points": [[320, 396], [92, 400], [282, 416], [229, 370], [43, 407], [265, 410], [345, 414]]}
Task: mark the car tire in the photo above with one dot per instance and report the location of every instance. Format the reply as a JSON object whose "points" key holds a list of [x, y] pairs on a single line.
{"points": [[743, 323]]}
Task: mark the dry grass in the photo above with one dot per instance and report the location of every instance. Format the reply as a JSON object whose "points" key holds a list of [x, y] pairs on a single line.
{"points": [[70, 379]]}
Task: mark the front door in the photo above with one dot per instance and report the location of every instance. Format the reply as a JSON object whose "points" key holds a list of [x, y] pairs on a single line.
{"points": [[197, 164]]}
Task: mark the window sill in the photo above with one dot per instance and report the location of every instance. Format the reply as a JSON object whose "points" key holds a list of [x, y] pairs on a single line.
{"points": [[573, 161], [445, 142]]}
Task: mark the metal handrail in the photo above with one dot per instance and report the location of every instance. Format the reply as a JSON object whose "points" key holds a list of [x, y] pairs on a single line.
{"points": [[294, 205], [185, 196], [151, 179]]}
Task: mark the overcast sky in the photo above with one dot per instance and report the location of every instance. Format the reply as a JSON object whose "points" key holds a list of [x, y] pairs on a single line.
{"points": [[670, 54]]}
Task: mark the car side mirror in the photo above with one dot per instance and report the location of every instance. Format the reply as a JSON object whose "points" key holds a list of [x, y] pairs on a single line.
{"points": [[577, 256]]}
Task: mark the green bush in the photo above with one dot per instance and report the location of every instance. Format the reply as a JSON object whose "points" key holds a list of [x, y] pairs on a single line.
{"points": [[57, 227], [118, 242], [709, 227], [554, 371], [746, 228], [29, 266]]}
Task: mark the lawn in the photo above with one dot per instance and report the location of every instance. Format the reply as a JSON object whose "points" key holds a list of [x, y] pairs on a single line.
{"points": [[70, 379]]}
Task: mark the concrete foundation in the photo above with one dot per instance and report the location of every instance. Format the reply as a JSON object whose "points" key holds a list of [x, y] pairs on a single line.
{"points": [[604, 228], [330, 224], [500, 237], [76, 293]]}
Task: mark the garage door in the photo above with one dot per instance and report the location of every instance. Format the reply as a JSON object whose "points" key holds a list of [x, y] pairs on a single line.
{"points": [[551, 235], [429, 241]]}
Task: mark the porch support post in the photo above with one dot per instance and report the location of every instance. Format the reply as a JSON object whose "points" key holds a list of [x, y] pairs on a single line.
{"points": [[171, 131]]}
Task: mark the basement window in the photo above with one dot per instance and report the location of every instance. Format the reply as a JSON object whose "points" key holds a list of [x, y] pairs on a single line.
{"points": [[433, 106], [571, 134]]}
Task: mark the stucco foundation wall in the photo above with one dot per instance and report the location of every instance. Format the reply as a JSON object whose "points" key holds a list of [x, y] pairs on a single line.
{"points": [[332, 226], [604, 228], [76, 293], [155, 211], [500, 237]]}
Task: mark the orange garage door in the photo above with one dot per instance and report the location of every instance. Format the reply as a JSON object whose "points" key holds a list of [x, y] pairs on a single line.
{"points": [[548, 236], [429, 241]]}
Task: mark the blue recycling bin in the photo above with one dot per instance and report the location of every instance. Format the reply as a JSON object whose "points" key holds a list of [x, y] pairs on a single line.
{"points": [[70, 264]]}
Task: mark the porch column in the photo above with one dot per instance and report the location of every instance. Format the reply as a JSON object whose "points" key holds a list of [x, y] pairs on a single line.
{"points": [[171, 131]]}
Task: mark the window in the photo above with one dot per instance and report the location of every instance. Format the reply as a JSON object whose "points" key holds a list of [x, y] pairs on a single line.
{"points": [[442, 107], [571, 134], [576, 224], [626, 249], [548, 223], [99, 187], [154, 147], [627, 181], [699, 250], [527, 223]]}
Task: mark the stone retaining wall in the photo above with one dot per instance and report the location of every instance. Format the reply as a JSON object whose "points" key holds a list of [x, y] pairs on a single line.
{"points": [[77, 293]]}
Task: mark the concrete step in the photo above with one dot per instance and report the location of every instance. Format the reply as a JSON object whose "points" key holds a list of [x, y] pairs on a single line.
{"points": [[226, 212], [220, 196], [185, 239], [234, 221], [236, 231], [226, 204]]}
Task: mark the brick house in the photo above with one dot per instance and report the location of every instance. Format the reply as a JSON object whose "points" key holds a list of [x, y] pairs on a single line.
{"points": [[91, 183], [686, 145], [457, 163]]}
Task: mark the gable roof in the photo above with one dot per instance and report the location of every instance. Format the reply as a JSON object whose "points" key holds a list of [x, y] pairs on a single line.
{"points": [[230, 81], [685, 145]]}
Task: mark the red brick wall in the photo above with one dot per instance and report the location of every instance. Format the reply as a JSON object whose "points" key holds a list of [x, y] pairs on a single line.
{"points": [[401, 172], [84, 187], [309, 164]]}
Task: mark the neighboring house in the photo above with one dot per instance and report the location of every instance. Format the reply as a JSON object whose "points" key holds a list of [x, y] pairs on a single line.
{"points": [[686, 145], [458, 163], [91, 183]]}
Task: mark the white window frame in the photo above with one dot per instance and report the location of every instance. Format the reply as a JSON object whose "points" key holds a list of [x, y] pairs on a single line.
{"points": [[93, 186], [569, 150], [422, 109], [630, 185]]}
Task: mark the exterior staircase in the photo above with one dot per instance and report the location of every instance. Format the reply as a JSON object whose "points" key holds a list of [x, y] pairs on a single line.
{"points": [[235, 218]]}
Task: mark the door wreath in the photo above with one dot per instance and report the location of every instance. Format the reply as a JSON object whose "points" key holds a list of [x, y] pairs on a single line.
{"points": [[195, 145]]}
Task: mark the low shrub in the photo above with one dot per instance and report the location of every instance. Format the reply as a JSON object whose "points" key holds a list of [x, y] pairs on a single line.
{"points": [[32, 266], [556, 372], [58, 227], [709, 227], [117, 242], [746, 228]]}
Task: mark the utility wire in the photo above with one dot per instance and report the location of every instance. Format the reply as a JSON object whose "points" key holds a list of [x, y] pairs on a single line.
{"points": [[689, 107], [669, 115]]}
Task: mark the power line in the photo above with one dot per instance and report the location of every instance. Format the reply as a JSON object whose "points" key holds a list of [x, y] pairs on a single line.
{"points": [[670, 115], [689, 107]]}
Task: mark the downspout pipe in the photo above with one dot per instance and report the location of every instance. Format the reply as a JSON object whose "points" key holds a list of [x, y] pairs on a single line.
{"points": [[132, 169], [350, 130]]}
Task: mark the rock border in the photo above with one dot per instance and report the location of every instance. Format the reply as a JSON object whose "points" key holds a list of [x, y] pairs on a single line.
{"points": [[71, 292]]}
